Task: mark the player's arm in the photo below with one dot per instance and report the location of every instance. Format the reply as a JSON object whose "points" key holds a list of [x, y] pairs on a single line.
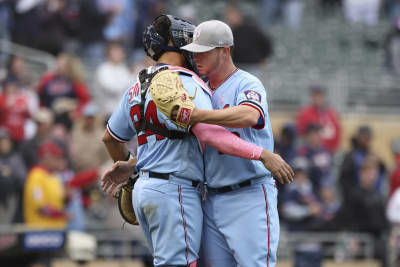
{"points": [[118, 132], [241, 116], [228, 143], [117, 150]]}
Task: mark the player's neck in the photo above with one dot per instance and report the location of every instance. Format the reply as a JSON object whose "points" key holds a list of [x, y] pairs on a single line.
{"points": [[172, 58], [220, 75]]}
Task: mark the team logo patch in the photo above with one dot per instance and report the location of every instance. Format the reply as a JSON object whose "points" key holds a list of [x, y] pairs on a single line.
{"points": [[184, 115], [252, 96]]}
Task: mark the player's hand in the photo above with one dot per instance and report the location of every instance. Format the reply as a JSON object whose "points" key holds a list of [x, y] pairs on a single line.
{"points": [[280, 170], [117, 175]]}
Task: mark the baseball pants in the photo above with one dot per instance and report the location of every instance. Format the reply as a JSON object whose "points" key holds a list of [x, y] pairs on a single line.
{"points": [[170, 214], [241, 227]]}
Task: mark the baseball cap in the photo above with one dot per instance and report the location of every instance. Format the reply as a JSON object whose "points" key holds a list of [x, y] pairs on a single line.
{"points": [[209, 35], [50, 147]]}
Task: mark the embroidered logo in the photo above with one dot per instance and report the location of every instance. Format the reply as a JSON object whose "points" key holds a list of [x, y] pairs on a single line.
{"points": [[253, 96], [184, 115], [196, 34]]}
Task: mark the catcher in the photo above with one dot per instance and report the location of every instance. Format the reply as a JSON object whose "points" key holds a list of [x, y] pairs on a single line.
{"points": [[170, 165]]}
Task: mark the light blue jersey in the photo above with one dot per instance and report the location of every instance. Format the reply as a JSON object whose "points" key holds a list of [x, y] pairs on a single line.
{"points": [[252, 203], [181, 158], [241, 88]]}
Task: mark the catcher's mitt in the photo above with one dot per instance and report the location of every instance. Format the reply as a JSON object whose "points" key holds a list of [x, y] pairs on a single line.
{"points": [[168, 94], [125, 205]]}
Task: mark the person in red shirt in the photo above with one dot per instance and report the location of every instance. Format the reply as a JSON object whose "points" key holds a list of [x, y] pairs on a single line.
{"points": [[14, 109], [319, 112]]}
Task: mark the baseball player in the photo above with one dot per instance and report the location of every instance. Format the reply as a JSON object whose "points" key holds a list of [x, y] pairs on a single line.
{"points": [[241, 193], [166, 200]]}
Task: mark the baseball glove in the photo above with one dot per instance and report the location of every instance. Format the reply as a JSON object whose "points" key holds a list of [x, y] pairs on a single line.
{"points": [[168, 94], [125, 205]]}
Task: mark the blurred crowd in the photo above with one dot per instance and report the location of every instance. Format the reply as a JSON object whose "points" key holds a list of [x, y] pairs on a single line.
{"points": [[336, 190], [51, 155]]}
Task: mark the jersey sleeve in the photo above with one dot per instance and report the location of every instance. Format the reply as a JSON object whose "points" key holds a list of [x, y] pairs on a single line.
{"points": [[253, 94], [120, 124]]}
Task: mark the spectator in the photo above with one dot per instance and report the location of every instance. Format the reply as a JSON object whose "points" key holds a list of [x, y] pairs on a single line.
{"points": [[12, 178], [395, 176], [16, 67], [301, 209], [367, 207], [286, 143], [14, 109], [53, 27], [113, 78], [65, 81], [252, 46], [319, 159], [121, 24], [349, 174], [44, 120], [92, 21], [330, 207], [87, 151], [319, 112], [392, 48], [26, 27], [44, 194]]}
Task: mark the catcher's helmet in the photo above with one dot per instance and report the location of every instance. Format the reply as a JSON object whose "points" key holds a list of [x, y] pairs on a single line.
{"points": [[181, 34]]}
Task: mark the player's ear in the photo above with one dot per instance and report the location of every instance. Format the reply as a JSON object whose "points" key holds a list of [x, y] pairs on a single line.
{"points": [[227, 50]]}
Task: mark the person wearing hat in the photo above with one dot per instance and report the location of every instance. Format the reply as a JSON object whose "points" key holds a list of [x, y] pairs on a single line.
{"points": [[240, 192], [44, 193], [167, 182]]}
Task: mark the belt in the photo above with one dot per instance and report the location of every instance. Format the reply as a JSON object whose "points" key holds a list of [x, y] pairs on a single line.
{"points": [[229, 188], [166, 176]]}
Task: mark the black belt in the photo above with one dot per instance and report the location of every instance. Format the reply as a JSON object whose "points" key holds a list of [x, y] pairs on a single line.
{"points": [[165, 176], [230, 188]]}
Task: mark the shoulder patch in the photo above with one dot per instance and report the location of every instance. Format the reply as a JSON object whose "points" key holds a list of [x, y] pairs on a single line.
{"points": [[252, 96]]}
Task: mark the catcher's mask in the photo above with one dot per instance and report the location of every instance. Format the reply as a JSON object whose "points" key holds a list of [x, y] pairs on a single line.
{"points": [[181, 34]]}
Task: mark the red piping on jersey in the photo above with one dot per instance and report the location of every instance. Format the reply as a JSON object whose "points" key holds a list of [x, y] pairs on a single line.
{"points": [[114, 136], [184, 223], [258, 127], [266, 212]]}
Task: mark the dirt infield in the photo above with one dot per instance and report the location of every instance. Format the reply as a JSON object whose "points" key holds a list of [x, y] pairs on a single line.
{"points": [[128, 263]]}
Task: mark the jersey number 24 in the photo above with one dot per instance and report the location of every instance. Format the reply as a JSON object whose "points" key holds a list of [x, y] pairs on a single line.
{"points": [[150, 116]]}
